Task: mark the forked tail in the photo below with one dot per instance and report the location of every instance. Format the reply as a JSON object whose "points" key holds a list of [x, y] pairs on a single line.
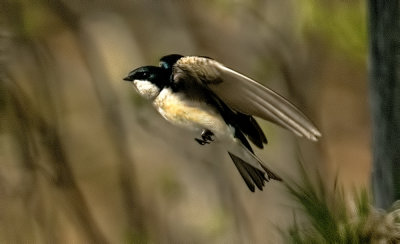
{"points": [[251, 175]]}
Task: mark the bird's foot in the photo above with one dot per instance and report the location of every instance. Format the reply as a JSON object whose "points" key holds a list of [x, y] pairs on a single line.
{"points": [[201, 141], [206, 137]]}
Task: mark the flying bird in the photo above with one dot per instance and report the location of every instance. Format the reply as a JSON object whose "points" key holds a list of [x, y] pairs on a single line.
{"points": [[219, 103]]}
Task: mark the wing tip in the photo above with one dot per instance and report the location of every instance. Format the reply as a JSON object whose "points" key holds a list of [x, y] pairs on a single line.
{"points": [[311, 134], [314, 135]]}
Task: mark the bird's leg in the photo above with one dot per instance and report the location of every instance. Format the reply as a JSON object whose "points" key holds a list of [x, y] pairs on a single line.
{"points": [[206, 137], [200, 141]]}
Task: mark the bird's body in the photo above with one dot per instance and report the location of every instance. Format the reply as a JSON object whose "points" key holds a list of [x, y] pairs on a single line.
{"points": [[216, 102], [197, 116], [177, 108]]}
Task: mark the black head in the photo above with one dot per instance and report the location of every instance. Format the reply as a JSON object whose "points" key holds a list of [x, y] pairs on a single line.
{"points": [[168, 61], [144, 73], [148, 80]]}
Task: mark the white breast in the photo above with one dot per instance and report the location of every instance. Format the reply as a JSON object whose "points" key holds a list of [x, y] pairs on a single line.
{"points": [[146, 88], [190, 114]]}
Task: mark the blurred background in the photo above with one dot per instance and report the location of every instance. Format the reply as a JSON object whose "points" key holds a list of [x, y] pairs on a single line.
{"points": [[84, 159]]}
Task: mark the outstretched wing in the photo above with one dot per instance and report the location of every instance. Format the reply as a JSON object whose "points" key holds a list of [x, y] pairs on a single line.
{"points": [[244, 94]]}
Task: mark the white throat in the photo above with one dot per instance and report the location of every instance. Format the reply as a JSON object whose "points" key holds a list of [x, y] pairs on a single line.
{"points": [[146, 88]]}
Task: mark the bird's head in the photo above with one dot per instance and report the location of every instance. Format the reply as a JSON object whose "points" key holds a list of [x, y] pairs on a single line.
{"points": [[168, 61], [148, 80]]}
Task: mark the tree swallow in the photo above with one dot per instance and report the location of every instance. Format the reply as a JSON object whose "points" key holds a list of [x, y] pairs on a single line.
{"points": [[219, 103]]}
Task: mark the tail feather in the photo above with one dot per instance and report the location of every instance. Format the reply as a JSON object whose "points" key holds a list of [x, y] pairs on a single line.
{"points": [[243, 172], [251, 175], [270, 174]]}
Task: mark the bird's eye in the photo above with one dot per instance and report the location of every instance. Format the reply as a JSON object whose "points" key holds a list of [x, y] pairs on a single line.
{"points": [[164, 65], [145, 74]]}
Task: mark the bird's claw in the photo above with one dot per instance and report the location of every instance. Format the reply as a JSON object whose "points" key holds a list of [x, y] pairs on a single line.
{"points": [[206, 137], [201, 142]]}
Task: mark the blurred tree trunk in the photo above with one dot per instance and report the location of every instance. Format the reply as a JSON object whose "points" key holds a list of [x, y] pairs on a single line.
{"points": [[384, 29]]}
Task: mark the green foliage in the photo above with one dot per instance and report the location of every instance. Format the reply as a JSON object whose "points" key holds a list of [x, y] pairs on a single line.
{"points": [[331, 218], [36, 19], [342, 24]]}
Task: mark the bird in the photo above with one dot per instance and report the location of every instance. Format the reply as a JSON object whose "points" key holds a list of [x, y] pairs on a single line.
{"points": [[219, 105]]}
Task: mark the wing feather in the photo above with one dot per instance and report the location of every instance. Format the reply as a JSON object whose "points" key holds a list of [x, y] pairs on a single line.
{"points": [[269, 105], [245, 95]]}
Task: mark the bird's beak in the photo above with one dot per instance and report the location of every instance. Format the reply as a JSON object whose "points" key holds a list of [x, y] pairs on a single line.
{"points": [[128, 78]]}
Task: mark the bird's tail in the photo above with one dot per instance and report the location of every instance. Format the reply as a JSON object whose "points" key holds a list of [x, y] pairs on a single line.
{"points": [[251, 175]]}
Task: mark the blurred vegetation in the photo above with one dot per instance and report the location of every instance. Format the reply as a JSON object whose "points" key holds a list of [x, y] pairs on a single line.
{"points": [[329, 218], [84, 159], [340, 23]]}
